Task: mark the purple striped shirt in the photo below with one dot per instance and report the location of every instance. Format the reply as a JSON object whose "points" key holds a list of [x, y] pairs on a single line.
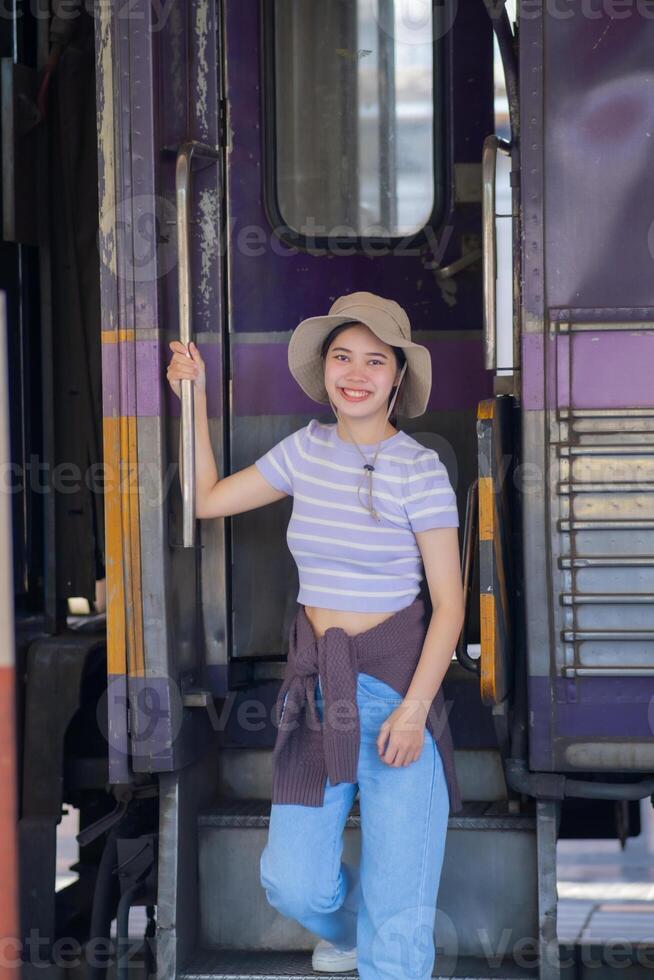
{"points": [[346, 559]]}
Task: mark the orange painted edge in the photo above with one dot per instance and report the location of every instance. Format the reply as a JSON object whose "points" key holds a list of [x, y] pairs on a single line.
{"points": [[117, 336], [486, 508], [125, 651], [132, 541], [486, 409], [487, 625], [116, 628]]}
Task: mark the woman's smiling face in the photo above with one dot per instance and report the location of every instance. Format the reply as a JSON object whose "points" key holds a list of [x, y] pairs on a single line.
{"points": [[360, 371]]}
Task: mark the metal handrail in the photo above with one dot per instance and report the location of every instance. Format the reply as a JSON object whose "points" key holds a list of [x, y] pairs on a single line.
{"points": [[185, 153], [492, 146], [470, 537]]}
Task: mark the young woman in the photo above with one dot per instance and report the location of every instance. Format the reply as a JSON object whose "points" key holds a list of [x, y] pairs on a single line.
{"points": [[373, 509]]}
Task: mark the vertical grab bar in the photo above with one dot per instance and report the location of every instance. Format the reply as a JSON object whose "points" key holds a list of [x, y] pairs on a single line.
{"points": [[492, 146], [185, 154]]}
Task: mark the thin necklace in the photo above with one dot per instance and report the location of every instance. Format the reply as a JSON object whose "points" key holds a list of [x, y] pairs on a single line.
{"points": [[368, 467]]}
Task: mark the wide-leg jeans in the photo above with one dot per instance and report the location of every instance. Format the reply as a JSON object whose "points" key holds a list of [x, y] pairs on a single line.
{"points": [[387, 905]]}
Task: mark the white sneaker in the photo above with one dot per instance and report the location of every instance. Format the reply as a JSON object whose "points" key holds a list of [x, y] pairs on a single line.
{"points": [[327, 958]]}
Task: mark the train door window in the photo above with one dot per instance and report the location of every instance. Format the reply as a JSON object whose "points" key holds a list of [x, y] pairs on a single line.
{"points": [[503, 219], [356, 138]]}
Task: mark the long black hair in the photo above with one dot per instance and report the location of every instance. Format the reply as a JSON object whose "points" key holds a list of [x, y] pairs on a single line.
{"points": [[400, 358]]}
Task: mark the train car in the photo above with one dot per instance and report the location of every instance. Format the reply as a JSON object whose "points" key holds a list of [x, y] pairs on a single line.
{"points": [[217, 171]]}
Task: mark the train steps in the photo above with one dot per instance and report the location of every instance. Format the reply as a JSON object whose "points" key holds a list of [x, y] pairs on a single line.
{"points": [[483, 905]]}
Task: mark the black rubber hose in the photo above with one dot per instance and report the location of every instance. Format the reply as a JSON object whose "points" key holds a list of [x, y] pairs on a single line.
{"points": [[150, 933], [103, 904], [555, 786]]}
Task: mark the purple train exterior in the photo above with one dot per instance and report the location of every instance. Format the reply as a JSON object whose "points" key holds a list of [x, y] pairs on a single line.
{"points": [[553, 462]]}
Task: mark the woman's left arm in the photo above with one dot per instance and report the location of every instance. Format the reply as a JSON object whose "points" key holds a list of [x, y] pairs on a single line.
{"points": [[440, 556], [405, 726]]}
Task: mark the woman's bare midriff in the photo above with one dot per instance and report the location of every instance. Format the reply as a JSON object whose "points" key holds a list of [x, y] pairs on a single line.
{"points": [[352, 622]]}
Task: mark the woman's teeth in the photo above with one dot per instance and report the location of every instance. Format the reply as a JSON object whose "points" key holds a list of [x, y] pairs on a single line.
{"points": [[355, 394]]}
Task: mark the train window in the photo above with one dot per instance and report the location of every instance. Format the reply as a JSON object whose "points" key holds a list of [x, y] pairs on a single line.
{"points": [[355, 119]]}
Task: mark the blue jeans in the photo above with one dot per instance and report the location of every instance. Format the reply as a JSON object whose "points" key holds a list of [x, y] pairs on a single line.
{"points": [[387, 905]]}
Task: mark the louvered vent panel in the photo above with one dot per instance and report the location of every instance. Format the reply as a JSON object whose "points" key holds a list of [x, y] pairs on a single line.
{"points": [[606, 507], [599, 366]]}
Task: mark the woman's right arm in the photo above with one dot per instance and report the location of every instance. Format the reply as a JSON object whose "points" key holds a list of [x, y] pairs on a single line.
{"points": [[242, 491]]}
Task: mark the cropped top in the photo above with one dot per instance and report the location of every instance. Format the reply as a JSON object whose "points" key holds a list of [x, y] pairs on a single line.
{"points": [[346, 559], [307, 750]]}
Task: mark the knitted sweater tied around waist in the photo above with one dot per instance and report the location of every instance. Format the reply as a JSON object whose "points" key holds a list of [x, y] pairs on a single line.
{"points": [[307, 751]]}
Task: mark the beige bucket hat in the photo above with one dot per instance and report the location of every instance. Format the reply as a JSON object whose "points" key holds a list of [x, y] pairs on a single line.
{"points": [[388, 321]]}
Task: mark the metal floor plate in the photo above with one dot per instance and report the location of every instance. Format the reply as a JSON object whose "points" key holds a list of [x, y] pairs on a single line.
{"points": [[227, 965], [474, 816]]}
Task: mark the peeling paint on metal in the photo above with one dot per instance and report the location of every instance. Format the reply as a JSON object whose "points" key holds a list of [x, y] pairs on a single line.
{"points": [[208, 223], [202, 78], [106, 129], [177, 67]]}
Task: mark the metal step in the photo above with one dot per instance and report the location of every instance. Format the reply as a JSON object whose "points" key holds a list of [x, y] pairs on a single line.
{"points": [[245, 772], [485, 836], [475, 815], [215, 964]]}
